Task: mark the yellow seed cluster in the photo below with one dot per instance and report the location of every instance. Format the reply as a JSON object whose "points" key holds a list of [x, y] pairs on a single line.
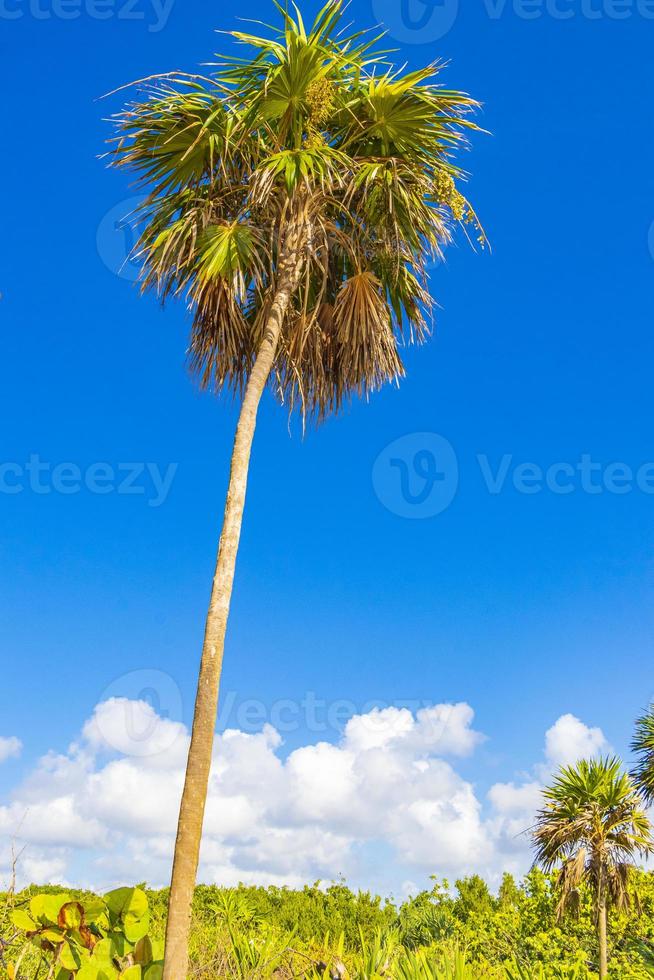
{"points": [[320, 100], [448, 194], [314, 140]]}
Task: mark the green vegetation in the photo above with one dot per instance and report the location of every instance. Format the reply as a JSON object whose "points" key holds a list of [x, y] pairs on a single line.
{"points": [[462, 932], [65, 935]]}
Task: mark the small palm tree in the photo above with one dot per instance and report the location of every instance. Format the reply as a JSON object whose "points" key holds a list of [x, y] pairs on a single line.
{"points": [[593, 825], [294, 198], [643, 745]]}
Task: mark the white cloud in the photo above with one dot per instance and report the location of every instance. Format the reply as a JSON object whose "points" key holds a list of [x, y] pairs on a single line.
{"points": [[35, 865], [107, 808], [58, 821], [569, 740], [509, 798], [44, 870], [9, 747], [379, 727], [443, 729], [134, 728]]}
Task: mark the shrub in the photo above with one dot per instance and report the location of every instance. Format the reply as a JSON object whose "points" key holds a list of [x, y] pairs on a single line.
{"points": [[86, 938]]}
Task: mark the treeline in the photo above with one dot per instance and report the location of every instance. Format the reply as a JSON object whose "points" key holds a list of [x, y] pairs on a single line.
{"points": [[518, 924]]}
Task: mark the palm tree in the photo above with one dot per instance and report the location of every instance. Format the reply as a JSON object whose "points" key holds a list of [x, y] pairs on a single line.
{"points": [[643, 745], [295, 199], [593, 824]]}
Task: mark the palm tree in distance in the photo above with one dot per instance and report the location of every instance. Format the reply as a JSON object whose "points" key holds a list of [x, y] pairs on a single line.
{"points": [[642, 744], [592, 825], [295, 198]]}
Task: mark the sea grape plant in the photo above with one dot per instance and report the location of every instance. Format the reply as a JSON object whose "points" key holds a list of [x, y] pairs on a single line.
{"points": [[91, 938]]}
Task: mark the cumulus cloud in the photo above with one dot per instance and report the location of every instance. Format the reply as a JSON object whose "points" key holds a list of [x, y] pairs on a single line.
{"points": [[108, 806], [34, 865], [134, 728], [443, 729], [569, 740], [9, 747], [59, 821]]}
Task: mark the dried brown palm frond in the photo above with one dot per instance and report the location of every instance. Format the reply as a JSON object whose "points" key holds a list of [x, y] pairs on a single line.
{"points": [[366, 343], [221, 350]]}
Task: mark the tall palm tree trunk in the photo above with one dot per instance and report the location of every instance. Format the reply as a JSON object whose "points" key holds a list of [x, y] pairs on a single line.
{"points": [[601, 930], [191, 815]]}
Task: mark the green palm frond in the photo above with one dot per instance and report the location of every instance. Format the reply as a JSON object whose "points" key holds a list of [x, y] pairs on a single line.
{"points": [[230, 253], [315, 138], [643, 746]]}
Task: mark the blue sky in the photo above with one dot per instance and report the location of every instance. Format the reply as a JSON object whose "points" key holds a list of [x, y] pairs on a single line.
{"points": [[525, 606]]}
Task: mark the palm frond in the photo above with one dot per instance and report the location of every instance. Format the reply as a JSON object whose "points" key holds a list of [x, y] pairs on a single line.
{"points": [[642, 745], [312, 138]]}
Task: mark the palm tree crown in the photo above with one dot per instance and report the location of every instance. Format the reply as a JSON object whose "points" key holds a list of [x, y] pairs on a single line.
{"points": [[313, 148], [643, 745], [593, 824]]}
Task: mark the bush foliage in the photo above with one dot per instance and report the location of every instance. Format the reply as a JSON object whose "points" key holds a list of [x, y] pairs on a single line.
{"points": [[459, 932], [66, 935]]}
